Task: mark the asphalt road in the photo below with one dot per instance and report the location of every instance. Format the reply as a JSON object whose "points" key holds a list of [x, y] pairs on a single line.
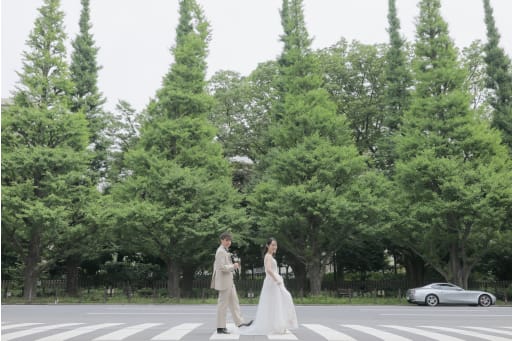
{"points": [[197, 323]]}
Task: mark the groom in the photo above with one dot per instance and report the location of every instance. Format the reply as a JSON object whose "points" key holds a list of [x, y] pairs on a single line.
{"points": [[222, 280]]}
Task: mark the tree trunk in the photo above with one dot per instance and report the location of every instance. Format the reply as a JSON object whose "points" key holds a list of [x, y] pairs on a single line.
{"points": [[315, 274], [454, 266], [188, 279], [173, 279], [72, 271], [459, 268], [299, 272], [31, 272], [414, 269]]}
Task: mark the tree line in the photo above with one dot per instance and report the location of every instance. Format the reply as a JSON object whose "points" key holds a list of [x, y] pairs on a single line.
{"points": [[346, 155]]}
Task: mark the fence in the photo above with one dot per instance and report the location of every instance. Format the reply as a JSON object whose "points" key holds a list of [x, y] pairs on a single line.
{"points": [[246, 288]]}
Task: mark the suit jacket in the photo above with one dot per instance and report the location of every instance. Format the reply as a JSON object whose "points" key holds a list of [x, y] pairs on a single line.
{"points": [[223, 268]]}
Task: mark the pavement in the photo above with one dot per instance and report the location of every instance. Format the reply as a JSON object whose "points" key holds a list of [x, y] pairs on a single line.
{"points": [[197, 322]]}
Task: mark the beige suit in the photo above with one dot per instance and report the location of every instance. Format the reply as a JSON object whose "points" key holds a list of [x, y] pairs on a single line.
{"points": [[222, 280]]}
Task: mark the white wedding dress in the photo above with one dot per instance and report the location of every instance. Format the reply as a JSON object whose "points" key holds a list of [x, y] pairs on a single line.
{"points": [[275, 313]]}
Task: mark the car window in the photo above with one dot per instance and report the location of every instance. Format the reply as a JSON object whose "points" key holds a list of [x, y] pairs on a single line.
{"points": [[446, 286]]}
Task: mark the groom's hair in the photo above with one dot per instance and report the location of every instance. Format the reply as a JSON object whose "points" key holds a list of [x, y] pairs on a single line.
{"points": [[225, 236]]}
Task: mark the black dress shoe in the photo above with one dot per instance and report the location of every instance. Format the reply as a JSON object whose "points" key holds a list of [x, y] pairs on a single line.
{"points": [[222, 331], [245, 324]]}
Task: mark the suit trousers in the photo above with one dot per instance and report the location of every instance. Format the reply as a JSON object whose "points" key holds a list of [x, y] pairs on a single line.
{"points": [[228, 299]]}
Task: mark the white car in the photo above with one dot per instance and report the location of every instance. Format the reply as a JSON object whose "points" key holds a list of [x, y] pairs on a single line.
{"points": [[447, 293]]}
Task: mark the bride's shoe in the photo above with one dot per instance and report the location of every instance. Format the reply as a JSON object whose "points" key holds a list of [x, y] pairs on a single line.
{"points": [[245, 324]]}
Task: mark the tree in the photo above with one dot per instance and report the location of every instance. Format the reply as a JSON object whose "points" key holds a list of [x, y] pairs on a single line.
{"points": [[86, 99], [177, 195], [242, 115], [44, 157], [499, 74], [397, 86], [398, 82], [453, 178], [473, 60], [229, 90], [243, 109], [123, 131], [306, 196], [84, 73], [354, 76], [398, 75]]}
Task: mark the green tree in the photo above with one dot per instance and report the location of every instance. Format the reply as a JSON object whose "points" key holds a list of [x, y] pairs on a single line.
{"points": [[123, 126], [397, 84], [473, 59], [397, 73], [86, 99], [44, 157], [177, 195], [84, 72], [453, 178], [231, 95], [499, 78], [354, 76], [306, 197], [242, 115]]}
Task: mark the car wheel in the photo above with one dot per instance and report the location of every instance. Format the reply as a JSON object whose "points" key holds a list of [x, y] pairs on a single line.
{"points": [[431, 300], [484, 300]]}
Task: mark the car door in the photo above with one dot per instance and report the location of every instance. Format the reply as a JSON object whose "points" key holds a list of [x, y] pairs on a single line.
{"points": [[450, 293], [468, 297]]}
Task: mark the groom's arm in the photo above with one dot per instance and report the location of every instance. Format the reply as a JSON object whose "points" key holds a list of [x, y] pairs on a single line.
{"points": [[223, 264]]}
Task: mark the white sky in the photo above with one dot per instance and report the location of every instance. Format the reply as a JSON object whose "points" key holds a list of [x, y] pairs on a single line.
{"points": [[134, 36]]}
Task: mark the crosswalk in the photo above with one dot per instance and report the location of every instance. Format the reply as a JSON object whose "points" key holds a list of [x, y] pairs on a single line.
{"points": [[38, 331]]}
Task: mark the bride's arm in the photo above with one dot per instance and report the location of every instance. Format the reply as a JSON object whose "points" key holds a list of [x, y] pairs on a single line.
{"points": [[269, 271]]}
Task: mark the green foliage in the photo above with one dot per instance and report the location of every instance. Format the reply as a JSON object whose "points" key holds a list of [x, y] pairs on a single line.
{"points": [[183, 88], [319, 129], [397, 84], [354, 77], [177, 194], [398, 76], [44, 157], [85, 97], [450, 163], [122, 130], [309, 180], [499, 79], [474, 63]]}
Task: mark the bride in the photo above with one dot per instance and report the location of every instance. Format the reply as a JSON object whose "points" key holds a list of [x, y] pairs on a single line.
{"points": [[275, 312]]}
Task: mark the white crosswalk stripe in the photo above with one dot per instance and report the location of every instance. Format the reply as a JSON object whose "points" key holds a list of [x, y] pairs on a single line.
{"points": [[77, 332], [491, 330], [425, 333], [32, 331], [469, 333], [328, 333], [18, 325], [345, 332], [126, 332], [176, 333], [383, 335]]}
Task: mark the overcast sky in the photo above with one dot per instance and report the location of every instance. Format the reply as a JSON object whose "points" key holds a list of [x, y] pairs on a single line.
{"points": [[134, 36]]}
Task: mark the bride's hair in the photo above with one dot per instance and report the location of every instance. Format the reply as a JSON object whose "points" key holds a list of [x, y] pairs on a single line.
{"points": [[269, 241]]}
